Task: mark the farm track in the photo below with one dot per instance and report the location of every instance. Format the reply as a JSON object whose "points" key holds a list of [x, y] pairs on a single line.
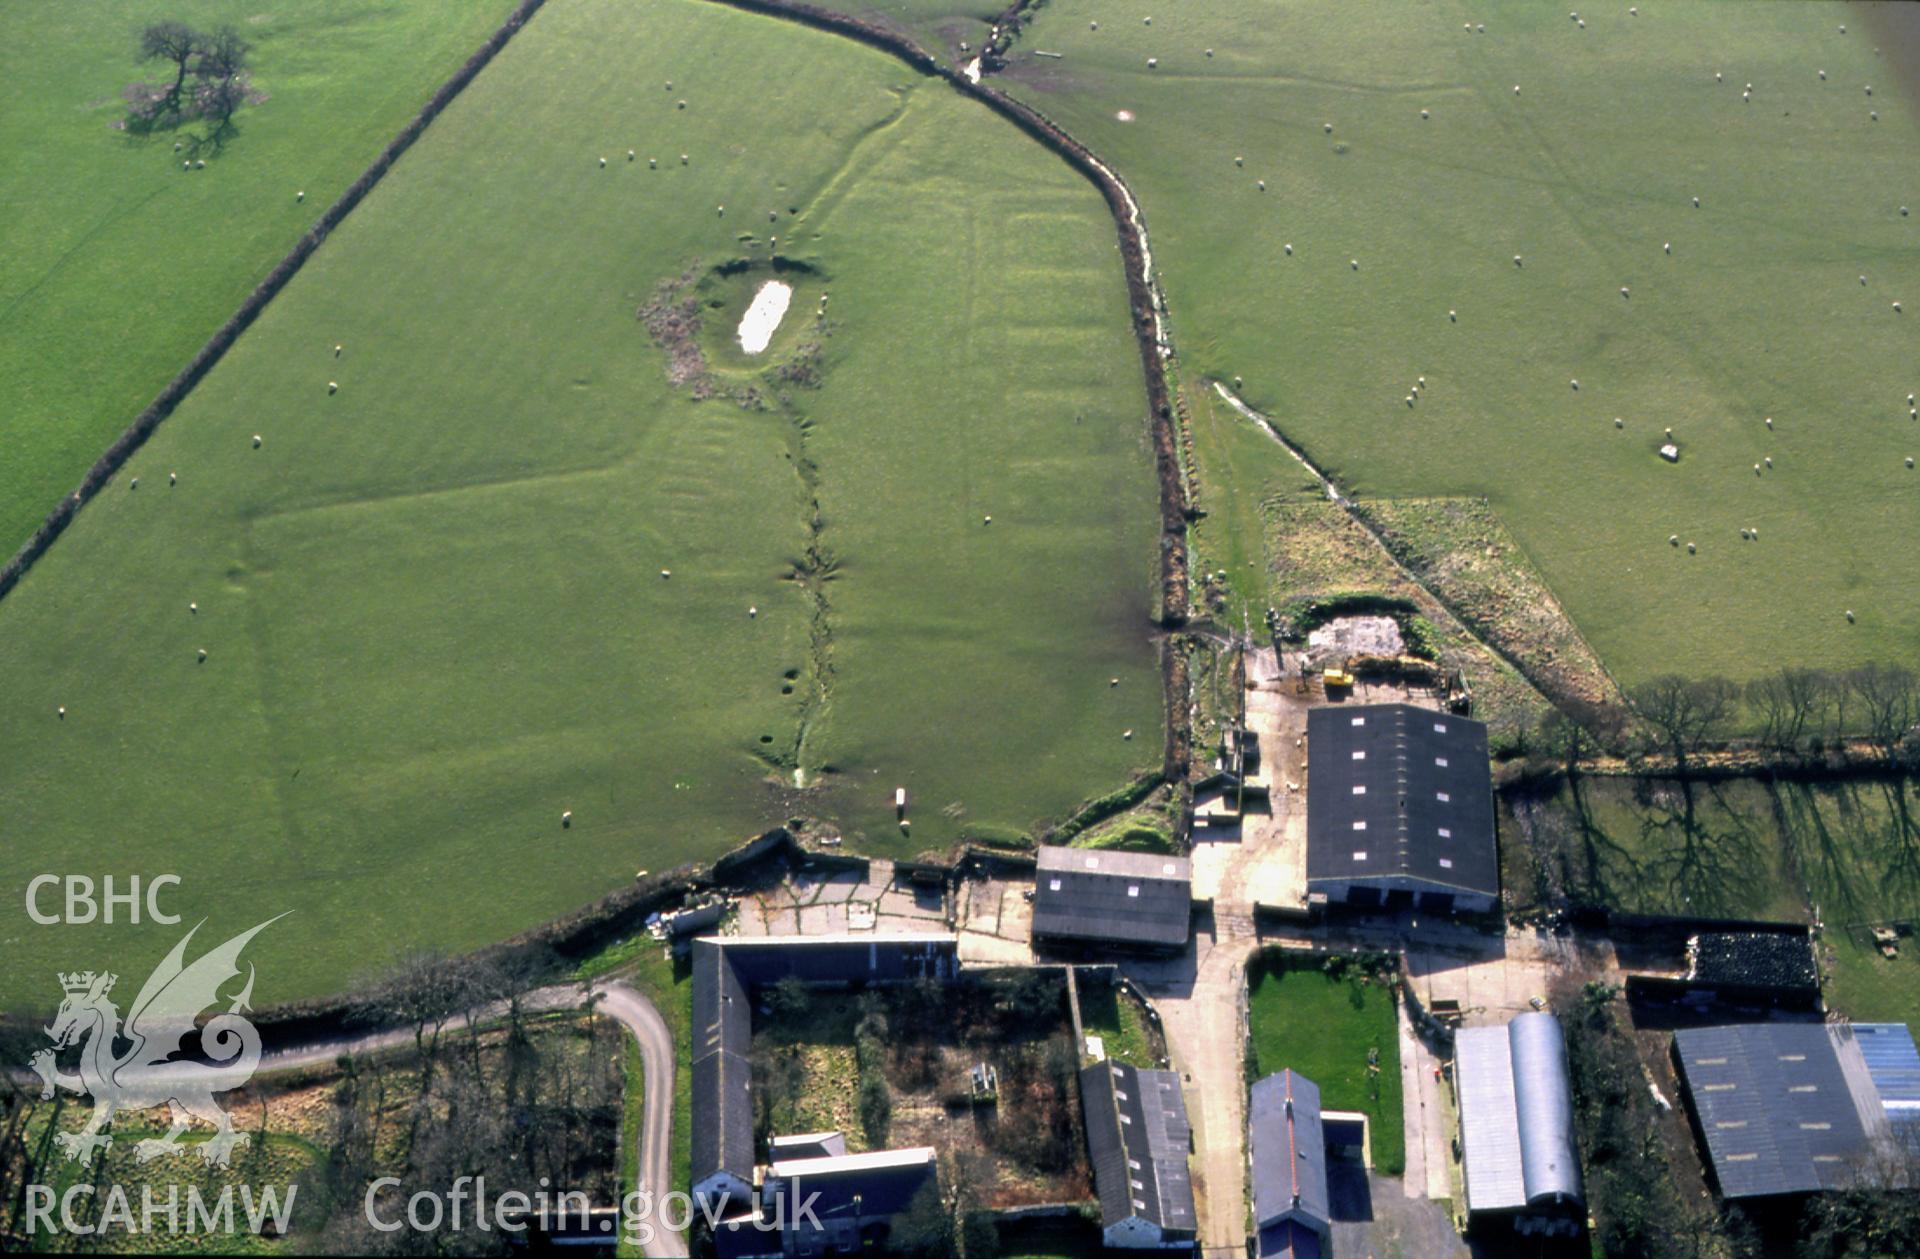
{"points": [[1545, 687]]}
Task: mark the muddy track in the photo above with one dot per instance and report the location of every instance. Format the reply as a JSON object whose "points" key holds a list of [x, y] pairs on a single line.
{"points": [[1146, 317]]}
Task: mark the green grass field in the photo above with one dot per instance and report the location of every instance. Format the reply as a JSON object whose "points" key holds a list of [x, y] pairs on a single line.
{"points": [[119, 264], [1748, 849], [432, 603], [1323, 1027], [1587, 174]]}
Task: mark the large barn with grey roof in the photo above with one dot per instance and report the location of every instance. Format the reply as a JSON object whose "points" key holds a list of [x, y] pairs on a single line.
{"points": [[1791, 1108], [1400, 809]]}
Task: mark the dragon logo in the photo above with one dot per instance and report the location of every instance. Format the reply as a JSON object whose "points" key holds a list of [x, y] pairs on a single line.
{"points": [[148, 1075]]}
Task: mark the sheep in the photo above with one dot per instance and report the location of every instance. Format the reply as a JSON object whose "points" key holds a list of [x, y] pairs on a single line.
{"points": [[665, 573], [1909, 399], [1146, 21], [1239, 161], [1516, 260], [333, 386], [1329, 127], [1696, 203], [720, 210], [753, 612], [201, 164], [1756, 469], [1409, 399], [1126, 734], [1633, 12], [1423, 113], [1453, 316], [1260, 184], [1152, 62], [1869, 89], [193, 609], [1673, 539], [679, 104], [62, 712], [1769, 423], [1575, 384], [1289, 248], [1849, 616], [256, 441], [134, 484], [1354, 263], [299, 196], [1896, 308], [1209, 52], [603, 163], [173, 478], [1873, 115], [986, 520], [1668, 246], [1422, 382], [1516, 89], [1618, 422], [1624, 293], [203, 655], [1768, 461], [683, 159], [1716, 76], [1823, 76], [566, 818], [1903, 212], [1691, 549], [1481, 29], [1909, 461], [630, 155], [653, 163], [1113, 681], [1669, 434], [1093, 26], [336, 351], [1583, 24]]}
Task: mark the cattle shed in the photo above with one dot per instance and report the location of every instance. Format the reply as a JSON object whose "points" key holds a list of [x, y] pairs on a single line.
{"points": [[1132, 900], [1400, 809], [1138, 1139], [1516, 1125], [1782, 1108], [1292, 1215]]}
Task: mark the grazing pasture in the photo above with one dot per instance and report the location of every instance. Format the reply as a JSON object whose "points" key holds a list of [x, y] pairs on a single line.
{"points": [[1423, 222], [440, 609], [120, 264]]}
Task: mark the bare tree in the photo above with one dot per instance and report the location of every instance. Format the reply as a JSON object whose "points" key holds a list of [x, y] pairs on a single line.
{"points": [[221, 71], [1888, 700], [175, 42], [1685, 712]]}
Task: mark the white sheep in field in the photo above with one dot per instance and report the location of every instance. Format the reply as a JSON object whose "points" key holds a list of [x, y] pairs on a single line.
{"points": [[62, 710], [1423, 113], [134, 484], [566, 818], [256, 441], [173, 478]]}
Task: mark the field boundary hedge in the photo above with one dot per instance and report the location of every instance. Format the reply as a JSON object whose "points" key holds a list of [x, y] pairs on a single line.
{"points": [[1172, 593], [135, 435]]}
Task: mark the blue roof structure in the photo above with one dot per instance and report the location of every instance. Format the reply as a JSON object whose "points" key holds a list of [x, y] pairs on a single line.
{"points": [[1893, 1064]]}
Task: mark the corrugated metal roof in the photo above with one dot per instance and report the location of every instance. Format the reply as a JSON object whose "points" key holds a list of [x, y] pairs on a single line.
{"points": [[1775, 1105], [1516, 1115], [1543, 1102], [1138, 1137], [1289, 1152], [1400, 794], [1118, 897], [1489, 1120], [1893, 1063]]}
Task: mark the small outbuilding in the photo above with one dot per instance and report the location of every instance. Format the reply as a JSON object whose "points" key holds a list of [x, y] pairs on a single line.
{"points": [[1400, 810], [1128, 900], [1517, 1152], [1138, 1137], [1286, 1143]]}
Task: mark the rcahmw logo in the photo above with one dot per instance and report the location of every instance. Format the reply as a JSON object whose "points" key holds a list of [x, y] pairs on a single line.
{"points": [[174, 1211], [147, 1075]]}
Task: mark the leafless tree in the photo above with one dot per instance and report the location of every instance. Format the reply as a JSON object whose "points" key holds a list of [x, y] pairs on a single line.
{"points": [[174, 42], [1685, 712], [1887, 699]]}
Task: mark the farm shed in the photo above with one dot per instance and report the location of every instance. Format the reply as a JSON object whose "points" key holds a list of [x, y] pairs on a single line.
{"points": [[1139, 1138], [1400, 809], [1292, 1216], [1781, 1108], [1516, 1126], [1893, 1064], [1097, 896]]}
